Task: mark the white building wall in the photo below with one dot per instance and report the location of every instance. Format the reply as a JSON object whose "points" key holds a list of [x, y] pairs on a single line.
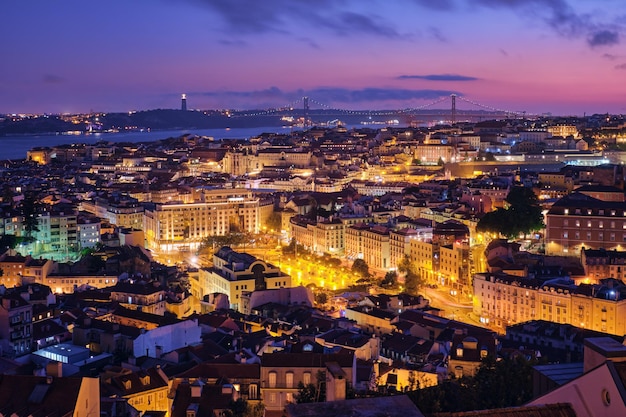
{"points": [[169, 338], [88, 400], [588, 395]]}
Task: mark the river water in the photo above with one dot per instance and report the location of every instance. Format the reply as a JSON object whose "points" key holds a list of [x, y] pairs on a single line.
{"points": [[16, 147]]}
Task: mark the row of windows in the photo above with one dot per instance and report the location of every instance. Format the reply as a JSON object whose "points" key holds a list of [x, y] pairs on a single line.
{"points": [[600, 224], [599, 236], [589, 212], [289, 379]]}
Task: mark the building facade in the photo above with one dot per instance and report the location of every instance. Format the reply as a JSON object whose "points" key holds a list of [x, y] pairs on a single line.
{"points": [[179, 226], [578, 221], [502, 299], [234, 273]]}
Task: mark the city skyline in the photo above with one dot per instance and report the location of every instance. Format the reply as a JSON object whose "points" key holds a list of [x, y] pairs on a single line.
{"points": [[538, 56]]}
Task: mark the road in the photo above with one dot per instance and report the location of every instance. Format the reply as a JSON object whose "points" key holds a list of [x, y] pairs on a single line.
{"points": [[307, 270], [451, 306]]}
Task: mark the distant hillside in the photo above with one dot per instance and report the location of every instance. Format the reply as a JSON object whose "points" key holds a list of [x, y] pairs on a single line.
{"points": [[150, 119], [176, 119], [32, 126]]}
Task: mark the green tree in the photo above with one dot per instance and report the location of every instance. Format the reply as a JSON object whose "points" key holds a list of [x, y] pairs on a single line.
{"points": [[492, 382], [7, 194], [8, 241], [274, 222], [242, 408], [360, 267], [490, 388], [522, 215], [311, 392], [30, 206], [321, 298], [291, 247], [390, 279], [412, 279], [231, 239]]}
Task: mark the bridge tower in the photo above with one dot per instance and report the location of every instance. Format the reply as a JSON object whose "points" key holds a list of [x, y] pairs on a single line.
{"points": [[305, 104], [453, 112]]}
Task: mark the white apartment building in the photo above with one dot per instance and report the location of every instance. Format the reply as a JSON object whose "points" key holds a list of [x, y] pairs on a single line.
{"points": [[58, 231], [88, 232]]}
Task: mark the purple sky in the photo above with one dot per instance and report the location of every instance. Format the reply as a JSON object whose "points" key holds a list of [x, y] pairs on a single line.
{"points": [[559, 56]]}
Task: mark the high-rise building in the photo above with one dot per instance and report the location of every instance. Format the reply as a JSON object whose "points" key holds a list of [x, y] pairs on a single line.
{"points": [[183, 102]]}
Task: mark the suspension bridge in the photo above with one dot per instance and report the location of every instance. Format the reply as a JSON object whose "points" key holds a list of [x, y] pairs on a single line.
{"points": [[310, 111]]}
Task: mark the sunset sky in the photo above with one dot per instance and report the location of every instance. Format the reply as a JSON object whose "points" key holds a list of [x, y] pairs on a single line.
{"points": [[560, 56]]}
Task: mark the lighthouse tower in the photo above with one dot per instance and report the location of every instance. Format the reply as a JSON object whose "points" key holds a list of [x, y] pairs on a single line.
{"points": [[183, 102]]}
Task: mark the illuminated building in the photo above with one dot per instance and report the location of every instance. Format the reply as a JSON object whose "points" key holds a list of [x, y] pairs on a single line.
{"points": [[578, 221], [88, 231], [40, 155], [183, 226], [601, 263], [234, 273], [432, 153], [121, 211], [141, 296], [15, 325], [325, 236], [58, 231], [146, 390], [502, 299], [370, 244], [563, 130], [245, 162]]}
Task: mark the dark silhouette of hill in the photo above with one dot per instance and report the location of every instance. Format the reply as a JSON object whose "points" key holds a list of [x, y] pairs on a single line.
{"points": [[176, 119], [36, 125], [160, 119]]}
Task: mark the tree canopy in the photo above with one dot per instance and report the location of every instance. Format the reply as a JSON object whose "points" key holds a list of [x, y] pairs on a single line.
{"points": [[390, 279], [522, 215], [30, 206], [241, 408], [490, 388], [361, 268], [231, 239], [312, 392], [412, 278]]}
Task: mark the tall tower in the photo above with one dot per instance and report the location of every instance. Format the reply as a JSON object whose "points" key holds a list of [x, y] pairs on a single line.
{"points": [[453, 115], [183, 102], [305, 102]]}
